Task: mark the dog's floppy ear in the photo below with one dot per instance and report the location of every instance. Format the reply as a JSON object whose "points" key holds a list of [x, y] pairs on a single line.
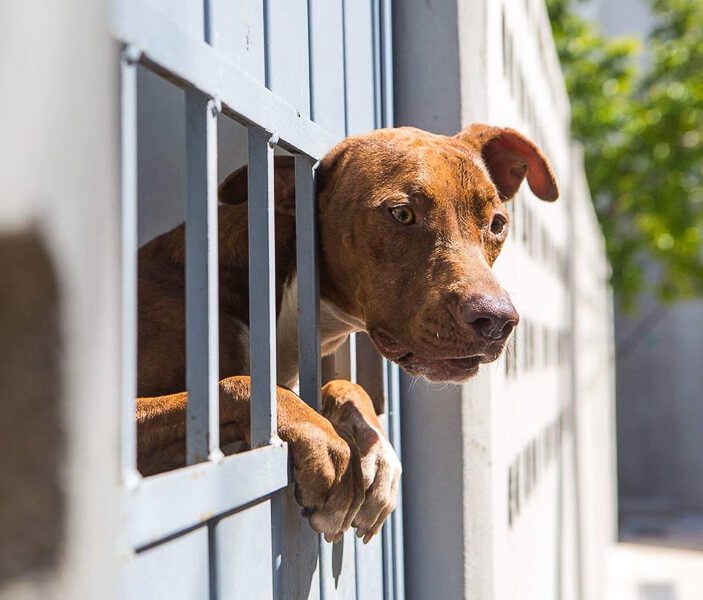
{"points": [[510, 156], [332, 163], [235, 188]]}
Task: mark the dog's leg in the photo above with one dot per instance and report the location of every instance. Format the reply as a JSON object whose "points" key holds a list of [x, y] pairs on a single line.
{"points": [[349, 408], [328, 478]]}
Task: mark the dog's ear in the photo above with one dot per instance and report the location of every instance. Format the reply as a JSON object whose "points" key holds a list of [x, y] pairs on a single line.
{"points": [[330, 168], [235, 188], [509, 156]]}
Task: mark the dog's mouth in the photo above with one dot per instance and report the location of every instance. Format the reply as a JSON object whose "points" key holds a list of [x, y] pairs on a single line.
{"points": [[441, 370], [436, 369]]}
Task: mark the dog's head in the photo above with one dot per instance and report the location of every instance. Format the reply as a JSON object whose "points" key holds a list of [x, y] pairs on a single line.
{"points": [[410, 225]]}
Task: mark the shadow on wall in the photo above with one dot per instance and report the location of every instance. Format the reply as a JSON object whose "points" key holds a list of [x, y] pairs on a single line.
{"points": [[32, 503], [657, 591]]}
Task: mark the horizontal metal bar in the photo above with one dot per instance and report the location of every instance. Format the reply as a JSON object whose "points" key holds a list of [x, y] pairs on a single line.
{"points": [[202, 330], [164, 505], [193, 62]]}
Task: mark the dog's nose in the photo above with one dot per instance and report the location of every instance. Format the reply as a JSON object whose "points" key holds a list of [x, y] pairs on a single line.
{"points": [[493, 317]]}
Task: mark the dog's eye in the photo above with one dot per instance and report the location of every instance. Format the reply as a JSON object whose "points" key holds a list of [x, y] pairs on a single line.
{"points": [[498, 224], [403, 214]]}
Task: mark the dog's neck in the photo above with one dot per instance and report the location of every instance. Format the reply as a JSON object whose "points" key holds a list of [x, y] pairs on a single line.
{"points": [[335, 327], [335, 324]]}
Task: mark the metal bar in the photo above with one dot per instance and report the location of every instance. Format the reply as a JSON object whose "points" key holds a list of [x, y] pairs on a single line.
{"points": [[376, 26], [308, 283], [262, 288], [202, 337], [397, 515], [352, 358], [326, 579], [386, 48], [344, 67], [309, 371], [167, 504], [394, 570], [387, 530], [194, 63], [207, 22], [311, 59], [128, 166], [213, 553]]}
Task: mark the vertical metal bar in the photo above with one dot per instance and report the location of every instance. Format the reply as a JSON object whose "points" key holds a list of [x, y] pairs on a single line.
{"points": [[311, 59], [212, 558], [394, 581], [308, 282], [353, 377], [207, 21], [202, 330], [262, 288], [352, 358], [388, 526], [388, 118], [377, 63], [344, 66], [309, 315], [128, 166], [397, 514]]}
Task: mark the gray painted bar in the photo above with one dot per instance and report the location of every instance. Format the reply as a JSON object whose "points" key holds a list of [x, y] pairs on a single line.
{"points": [[262, 290], [308, 283], [202, 332], [173, 502], [128, 166], [396, 517]]}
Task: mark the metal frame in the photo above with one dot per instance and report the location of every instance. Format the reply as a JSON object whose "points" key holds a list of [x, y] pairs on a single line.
{"points": [[213, 484]]}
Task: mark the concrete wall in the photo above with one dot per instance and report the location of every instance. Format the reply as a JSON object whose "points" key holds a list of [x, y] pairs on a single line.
{"points": [[439, 516]]}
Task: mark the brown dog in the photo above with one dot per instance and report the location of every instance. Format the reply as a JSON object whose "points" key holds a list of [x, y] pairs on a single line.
{"points": [[410, 225]]}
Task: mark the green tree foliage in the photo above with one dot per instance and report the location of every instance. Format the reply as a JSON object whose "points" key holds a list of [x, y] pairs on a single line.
{"points": [[642, 132]]}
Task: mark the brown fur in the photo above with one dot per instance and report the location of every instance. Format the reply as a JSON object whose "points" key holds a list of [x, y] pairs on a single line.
{"points": [[419, 289]]}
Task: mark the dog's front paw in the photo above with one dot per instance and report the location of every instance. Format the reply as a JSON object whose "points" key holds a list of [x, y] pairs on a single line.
{"points": [[381, 471], [349, 408], [328, 478]]}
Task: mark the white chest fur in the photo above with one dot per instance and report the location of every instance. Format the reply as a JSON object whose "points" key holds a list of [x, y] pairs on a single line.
{"points": [[335, 326]]}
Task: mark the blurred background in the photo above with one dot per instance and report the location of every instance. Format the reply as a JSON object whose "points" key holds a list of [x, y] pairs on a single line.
{"points": [[571, 468], [633, 69]]}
